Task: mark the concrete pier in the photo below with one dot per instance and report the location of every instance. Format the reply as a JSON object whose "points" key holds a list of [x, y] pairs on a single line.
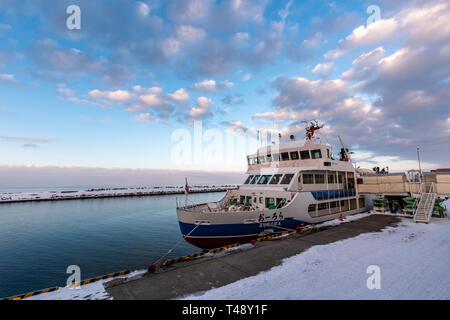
{"points": [[209, 272]]}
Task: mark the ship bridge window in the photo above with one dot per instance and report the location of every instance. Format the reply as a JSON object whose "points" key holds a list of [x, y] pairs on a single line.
{"points": [[261, 159], [248, 180], [304, 155], [264, 179], [276, 179], [308, 178], [285, 156], [294, 155], [316, 154], [276, 157], [256, 178], [287, 179]]}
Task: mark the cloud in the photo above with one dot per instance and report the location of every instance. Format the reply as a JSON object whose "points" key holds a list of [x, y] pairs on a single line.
{"points": [[180, 95], [324, 69], [118, 95], [7, 77], [25, 139], [376, 32], [202, 109], [211, 86]]}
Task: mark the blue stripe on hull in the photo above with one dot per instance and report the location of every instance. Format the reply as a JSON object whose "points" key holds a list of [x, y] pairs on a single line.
{"points": [[231, 230]]}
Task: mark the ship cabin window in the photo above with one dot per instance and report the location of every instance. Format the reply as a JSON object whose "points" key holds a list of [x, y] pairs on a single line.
{"points": [[331, 178], [255, 160], [269, 158], [322, 206], [242, 199], [316, 154], [308, 178], [340, 178], [319, 178], [304, 155], [248, 200], [281, 202], [276, 179], [359, 181], [270, 203], [256, 178], [287, 179], [312, 208], [264, 179], [276, 157], [328, 153], [334, 204], [261, 200], [285, 156], [294, 155], [261, 159], [248, 180]]}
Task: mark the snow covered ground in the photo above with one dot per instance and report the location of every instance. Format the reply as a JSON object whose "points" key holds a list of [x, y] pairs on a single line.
{"points": [[413, 260], [97, 193], [92, 291]]}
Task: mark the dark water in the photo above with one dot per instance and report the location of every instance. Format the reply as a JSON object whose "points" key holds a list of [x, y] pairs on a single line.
{"points": [[39, 240]]}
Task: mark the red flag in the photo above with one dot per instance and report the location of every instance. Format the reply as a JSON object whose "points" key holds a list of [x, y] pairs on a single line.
{"points": [[186, 188]]}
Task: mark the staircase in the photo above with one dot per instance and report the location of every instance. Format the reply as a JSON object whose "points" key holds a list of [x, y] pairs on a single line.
{"points": [[425, 206]]}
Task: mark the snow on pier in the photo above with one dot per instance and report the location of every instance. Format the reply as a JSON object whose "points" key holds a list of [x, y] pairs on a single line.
{"points": [[107, 193]]}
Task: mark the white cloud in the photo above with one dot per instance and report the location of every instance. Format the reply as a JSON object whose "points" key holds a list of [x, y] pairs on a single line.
{"points": [[179, 95], [118, 95], [324, 69], [190, 34], [7, 77], [211, 86]]}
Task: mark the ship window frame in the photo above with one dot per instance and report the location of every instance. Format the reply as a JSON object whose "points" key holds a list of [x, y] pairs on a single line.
{"points": [[256, 177], [279, 175], [269, 201], [324, 206], [262, 159], [260, 181], [282, 156], [331, 179], [283, 181], [305, 179], [314, 154], [250, 178], [315, 178], [294, 155], [312, 207], [303, 154]]}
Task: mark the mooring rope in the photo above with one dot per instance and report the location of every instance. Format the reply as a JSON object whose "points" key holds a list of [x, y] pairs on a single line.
{"points": [[158, 262]]}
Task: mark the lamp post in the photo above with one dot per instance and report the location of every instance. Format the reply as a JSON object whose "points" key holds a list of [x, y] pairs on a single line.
{"points": [[418, 158]]}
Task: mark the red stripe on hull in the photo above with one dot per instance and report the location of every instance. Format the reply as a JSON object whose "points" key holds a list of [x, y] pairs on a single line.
{"points": [[212, 243]]}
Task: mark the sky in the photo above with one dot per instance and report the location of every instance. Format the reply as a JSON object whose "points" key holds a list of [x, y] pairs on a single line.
{"points": [[185, 86]]}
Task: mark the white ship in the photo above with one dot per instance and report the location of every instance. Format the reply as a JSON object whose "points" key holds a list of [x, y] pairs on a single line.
{"points": [[289, 184]]}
